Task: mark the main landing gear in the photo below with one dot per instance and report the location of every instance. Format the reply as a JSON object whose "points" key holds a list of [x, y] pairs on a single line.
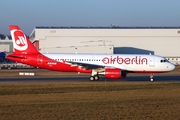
{"points": [[151, 77], [94, 76]]}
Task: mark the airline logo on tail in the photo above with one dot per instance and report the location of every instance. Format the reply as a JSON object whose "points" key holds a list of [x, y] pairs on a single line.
{"points": [[19, 40]]}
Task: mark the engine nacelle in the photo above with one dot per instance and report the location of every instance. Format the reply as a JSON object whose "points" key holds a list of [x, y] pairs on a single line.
{"points": [[114, 73]]}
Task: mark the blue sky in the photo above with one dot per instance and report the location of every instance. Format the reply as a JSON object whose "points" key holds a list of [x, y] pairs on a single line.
{"points": [[30, 13]]}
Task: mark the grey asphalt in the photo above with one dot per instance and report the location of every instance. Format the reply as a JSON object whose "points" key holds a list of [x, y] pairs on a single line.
{"points": [[130, 78]]}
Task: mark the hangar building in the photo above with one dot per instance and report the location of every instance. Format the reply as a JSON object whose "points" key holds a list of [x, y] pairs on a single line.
{"points": [[6, 44], [163, 41]]}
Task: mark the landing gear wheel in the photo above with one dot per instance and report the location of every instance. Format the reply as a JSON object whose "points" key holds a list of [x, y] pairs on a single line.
{"points": [[96, 77], [151, 78], [92, 78]]}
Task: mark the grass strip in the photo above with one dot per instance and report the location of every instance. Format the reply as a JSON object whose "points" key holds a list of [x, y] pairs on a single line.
{"points": [[90, 100]]}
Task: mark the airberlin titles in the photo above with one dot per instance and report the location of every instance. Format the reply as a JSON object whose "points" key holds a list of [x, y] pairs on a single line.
{"points": [[138, 60], [119, 60]]}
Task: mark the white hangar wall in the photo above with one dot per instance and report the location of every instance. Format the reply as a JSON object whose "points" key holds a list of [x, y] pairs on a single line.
{"points": [[6, 46], [159, 41]]}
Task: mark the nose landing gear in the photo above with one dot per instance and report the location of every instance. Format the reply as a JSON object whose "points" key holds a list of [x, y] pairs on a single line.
{"points": [[151, 77]]}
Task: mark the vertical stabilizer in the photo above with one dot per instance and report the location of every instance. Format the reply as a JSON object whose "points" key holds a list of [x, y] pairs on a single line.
{"points": [[21, 43]]}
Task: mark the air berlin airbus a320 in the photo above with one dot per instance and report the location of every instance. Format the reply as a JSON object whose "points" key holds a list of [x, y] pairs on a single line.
{"points": [[112, 66]]}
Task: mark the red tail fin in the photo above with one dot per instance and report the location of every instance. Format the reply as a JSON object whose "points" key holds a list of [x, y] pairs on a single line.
{"points": [[21, 44]]}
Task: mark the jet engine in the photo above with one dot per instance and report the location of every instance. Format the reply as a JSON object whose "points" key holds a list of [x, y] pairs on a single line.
{"points": [[114, 73]]}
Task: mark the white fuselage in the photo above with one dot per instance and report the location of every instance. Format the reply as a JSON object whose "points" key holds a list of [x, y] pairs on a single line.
{"points": [[128, 62]]}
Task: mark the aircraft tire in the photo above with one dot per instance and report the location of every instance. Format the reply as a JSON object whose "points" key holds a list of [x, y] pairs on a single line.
{"points": [[92, 78], [96, 78]]}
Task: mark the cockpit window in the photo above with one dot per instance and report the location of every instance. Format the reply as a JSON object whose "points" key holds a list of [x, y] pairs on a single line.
{"points": [[164, 60]]}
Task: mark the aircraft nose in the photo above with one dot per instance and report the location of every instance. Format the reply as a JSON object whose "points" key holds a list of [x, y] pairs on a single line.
{"points": [[172, 67]]}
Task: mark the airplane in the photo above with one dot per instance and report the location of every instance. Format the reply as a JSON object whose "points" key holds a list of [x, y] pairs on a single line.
{"points": [[113, 66]]}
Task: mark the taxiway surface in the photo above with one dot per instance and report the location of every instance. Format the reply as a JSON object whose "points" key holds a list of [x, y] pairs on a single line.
{"points": [[130, 78]]}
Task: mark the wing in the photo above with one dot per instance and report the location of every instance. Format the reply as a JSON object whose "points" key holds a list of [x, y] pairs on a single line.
{"points": [[87, 66]]}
